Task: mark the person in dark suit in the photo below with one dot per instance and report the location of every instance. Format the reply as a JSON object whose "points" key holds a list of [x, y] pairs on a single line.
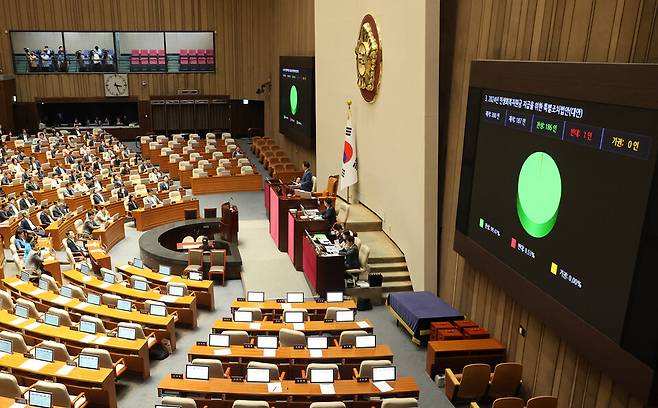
{"points": [[6, 179], [58, 169], [72, 245], [69, 159], [97, 165], [98, 197], [132, 204], [306, 182], [164, 184], [24, 202], [45, 218], [116, 181], [32, 185], [68, 191], [28, 226], [329, 213], [351, 253], [4, 213], [122, 192]]}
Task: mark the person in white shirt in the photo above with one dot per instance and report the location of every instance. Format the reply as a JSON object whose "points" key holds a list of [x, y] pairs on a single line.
{"points": [[15, 167], [152, 199], [153, 176], [80, 187], [102, 215]]}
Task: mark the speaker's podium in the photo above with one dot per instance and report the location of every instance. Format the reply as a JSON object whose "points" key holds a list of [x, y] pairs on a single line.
{"points": [[280, 200], [228, 224], [324, 267]]}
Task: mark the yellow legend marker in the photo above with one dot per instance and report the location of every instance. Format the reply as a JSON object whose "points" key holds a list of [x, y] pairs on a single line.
{"points": [[553, 268]]}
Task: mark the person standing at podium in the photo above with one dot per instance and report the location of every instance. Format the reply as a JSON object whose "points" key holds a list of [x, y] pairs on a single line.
{"points": [[306, 181]]}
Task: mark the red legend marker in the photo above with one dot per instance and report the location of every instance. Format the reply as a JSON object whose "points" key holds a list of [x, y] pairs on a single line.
{"points": [[513, 243]]}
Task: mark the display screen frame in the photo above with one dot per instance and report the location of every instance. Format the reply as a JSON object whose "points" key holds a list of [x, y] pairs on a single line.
{"points": [[298, 134], [634, 86]]}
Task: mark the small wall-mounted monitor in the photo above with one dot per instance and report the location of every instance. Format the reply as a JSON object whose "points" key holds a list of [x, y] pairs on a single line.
{"points": [[297, 99]]}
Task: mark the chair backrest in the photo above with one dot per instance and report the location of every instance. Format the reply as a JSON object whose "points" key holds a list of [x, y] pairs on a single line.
{"points": [[18, 344], [188, 239], [59, 392], [365, 369], [256, 313], [215, 368], [349, 336], [174, 196], [104, 357], [200, 238], [5, 301], [250, 404], [506, 380], [148, 303], [542, 402], [331, 312], [291, 338], [60, 353], [364, 255], [274, 369], [217, 257], [52, 283], [327, 404], [325, 366], [100, 327], [31, 308], [110, 299], [474, 382], [64, 318], [508, 402], [315, 183], [77, 292], [246, 170], [9, 386], [118, 277], [399, 403], [181, 402], [236, 337], [342, 213], [195, 257]]}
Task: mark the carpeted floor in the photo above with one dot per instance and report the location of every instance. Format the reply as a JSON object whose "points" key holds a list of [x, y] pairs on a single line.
{"points": [[267, 269]]}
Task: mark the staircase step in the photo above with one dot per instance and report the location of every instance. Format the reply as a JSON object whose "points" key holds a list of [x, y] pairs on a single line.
{"points": [[397, 286], [388, 267], [395, 276], [385, 259]]}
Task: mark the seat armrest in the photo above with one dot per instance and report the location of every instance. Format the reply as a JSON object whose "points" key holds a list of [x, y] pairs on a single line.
{"points": [[227, 373], [355, 372], [451, 384]]}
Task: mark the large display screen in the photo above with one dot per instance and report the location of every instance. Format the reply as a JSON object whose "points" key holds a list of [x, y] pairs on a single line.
{"points": [[559, 192], [297, 99]]}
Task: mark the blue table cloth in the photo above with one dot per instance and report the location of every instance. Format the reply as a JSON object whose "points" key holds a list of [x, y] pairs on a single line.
{"points": [[419, 309]]}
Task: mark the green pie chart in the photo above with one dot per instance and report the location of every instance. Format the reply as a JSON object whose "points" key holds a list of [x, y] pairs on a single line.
{"points": [[293, 99], [538, 194]]}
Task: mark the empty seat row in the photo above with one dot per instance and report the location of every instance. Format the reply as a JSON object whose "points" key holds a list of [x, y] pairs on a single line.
{"points": [[147, 53]]}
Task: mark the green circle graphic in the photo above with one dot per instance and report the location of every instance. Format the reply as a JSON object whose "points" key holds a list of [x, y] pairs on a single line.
{"points": [[538, 194], [293, 99]]}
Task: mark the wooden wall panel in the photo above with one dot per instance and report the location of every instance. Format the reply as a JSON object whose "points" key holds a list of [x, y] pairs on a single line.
{"points": [[249, 37], [562, 30]]}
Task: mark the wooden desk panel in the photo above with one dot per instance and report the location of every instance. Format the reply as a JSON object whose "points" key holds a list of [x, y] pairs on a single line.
{"points": [[153, 217], [455, 354], [50, 195], [225, 389], [58, 229], [160, 327], [215, 184], [272, 307], [185, 178], [310, 327], [13, 188], [116, 207], [98, 385], [83, 200], [134, 352], [112, 234], [8, 229], [203, 290], [99, 257], [185, 306], [291, 360]]}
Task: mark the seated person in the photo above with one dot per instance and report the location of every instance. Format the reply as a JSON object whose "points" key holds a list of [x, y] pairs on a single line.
{"points": [[97, 197], [122, 192], [89, 225], [4, 212], [351, 253], [337, 232], [25, 202], [164, 184], [45, 218], [21, 242], [73, 246], [102, 215], [33, 260], [329, 213], [152, 199], [68, 191], [28, 226], [60, 209]]}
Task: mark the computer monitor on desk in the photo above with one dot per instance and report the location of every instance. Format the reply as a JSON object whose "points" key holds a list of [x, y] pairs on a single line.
{"points": [[255, 296], [40, 399]]}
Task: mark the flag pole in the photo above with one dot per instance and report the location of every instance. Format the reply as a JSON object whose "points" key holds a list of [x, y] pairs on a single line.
{"points": [[349, 117]]}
